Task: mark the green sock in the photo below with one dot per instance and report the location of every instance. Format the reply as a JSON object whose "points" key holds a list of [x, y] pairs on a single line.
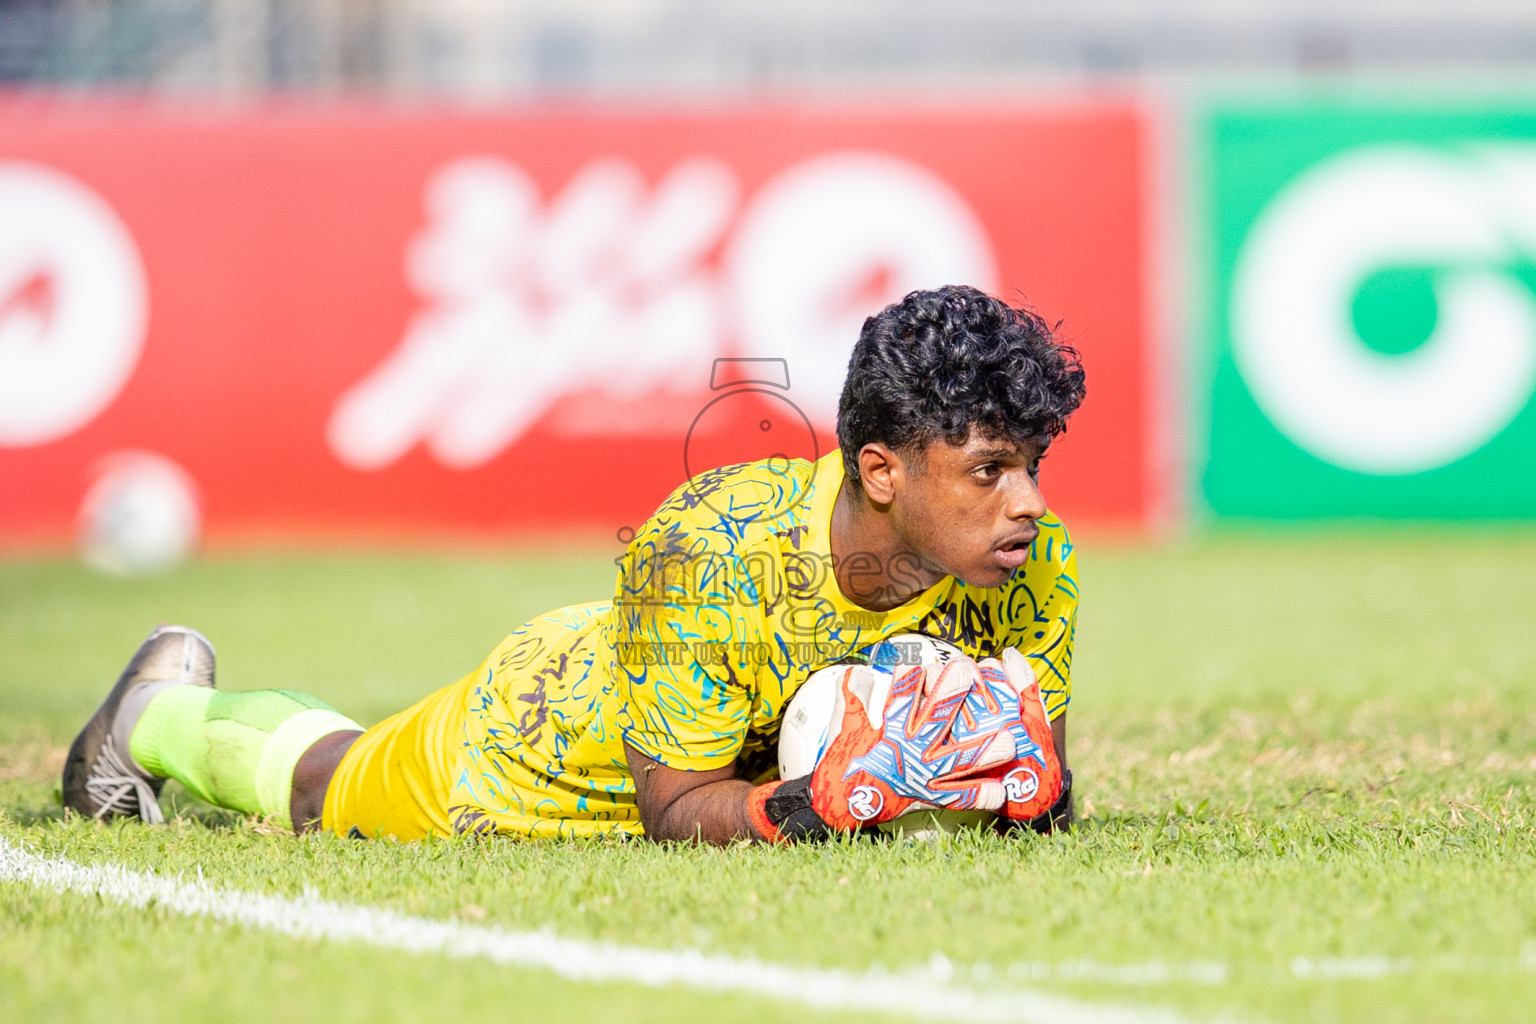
{"points": [[236, 750]]}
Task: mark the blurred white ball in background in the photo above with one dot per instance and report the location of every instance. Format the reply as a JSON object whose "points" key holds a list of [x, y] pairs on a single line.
{"points": [[140, 515]]}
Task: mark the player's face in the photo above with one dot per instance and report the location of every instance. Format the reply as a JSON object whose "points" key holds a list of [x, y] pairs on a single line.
{"points": [[970, 510]]}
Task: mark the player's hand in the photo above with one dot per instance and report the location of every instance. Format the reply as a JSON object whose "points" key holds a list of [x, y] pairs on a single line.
{"points": [[999, 754], [937, 737], [963, 736], [1028, 777], [872, 773]]}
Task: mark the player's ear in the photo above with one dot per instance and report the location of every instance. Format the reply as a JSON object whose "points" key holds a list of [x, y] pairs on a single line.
{"points": [[879, 470]]}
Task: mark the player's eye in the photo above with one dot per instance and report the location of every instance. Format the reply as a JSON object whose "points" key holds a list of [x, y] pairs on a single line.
{"points": [[987, 472]]}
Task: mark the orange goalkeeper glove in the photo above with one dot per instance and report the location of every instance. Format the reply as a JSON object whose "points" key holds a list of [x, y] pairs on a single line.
{"points": [[1031, 778], [937, 737]]}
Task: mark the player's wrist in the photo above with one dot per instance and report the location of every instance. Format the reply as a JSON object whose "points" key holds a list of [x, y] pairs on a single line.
{"points": [[1058, 818], [781, 812]]}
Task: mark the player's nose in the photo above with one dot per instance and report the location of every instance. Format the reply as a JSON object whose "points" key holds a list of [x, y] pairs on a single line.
{"points": [[1024, 500]]}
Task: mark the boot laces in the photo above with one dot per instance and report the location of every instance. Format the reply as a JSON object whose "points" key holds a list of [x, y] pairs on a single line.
{"points": [[118, 787]]}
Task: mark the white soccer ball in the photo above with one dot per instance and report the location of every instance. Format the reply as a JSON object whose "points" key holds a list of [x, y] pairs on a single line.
{"points": [[140, 516], [813, 720]]}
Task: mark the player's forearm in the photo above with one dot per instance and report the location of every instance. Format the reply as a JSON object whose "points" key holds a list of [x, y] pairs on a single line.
{"points": [[1059, 738], [708, 805], [715, 813], [1062, 816]]}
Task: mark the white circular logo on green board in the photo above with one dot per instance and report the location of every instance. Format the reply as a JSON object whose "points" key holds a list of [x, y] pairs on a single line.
{"points": [[1430, 243]]}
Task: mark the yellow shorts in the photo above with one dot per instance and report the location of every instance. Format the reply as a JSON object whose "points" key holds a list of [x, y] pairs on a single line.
{"points": [[394, 781]]}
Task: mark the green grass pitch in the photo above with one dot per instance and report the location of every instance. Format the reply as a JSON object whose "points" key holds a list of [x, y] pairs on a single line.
{"points": [[1306, 771]]}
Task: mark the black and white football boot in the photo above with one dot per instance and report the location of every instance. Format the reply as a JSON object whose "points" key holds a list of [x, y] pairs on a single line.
{"points": [[101, 779]]}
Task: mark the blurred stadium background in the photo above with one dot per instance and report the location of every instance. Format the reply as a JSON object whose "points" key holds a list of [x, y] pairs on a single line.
{"points": [[352, 268], [498, 49]]}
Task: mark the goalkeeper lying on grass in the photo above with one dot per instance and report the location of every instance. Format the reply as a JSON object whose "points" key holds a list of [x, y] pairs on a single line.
{"points": [[656, 713]]}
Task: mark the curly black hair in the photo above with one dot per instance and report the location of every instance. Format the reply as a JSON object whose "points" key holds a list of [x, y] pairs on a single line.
{"points": [[938, 363]]}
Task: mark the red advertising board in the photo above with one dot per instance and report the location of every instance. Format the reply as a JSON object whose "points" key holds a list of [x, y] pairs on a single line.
{"points": [[358, 318]]}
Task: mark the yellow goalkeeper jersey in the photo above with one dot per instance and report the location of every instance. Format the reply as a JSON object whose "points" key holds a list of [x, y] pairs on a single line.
{"points": [[725, 603]]}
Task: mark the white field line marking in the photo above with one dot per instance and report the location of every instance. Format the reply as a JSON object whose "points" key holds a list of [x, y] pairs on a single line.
{"points": [[1215, 972], [1371, 968], [1155, 972], [909, 993]]}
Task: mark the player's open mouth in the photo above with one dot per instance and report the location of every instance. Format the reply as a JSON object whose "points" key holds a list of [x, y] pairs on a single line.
{"points": [[1015, 552]]}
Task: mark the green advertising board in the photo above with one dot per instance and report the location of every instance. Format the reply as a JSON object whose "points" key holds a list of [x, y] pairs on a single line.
{"points": [[1372, 319]]}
